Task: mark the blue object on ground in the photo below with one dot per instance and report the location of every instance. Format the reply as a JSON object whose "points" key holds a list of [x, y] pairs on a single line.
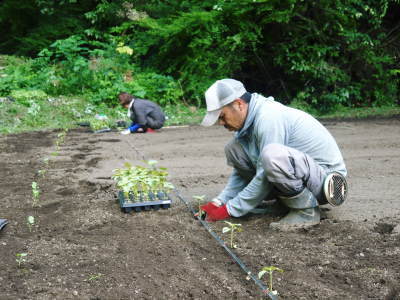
{"points": [[3, 222], [134, 127]]}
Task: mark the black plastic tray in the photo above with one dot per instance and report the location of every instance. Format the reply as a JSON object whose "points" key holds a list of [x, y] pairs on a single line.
{"points": [[138, 206]]}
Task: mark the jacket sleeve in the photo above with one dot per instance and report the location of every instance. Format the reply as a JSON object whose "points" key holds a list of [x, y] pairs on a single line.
{"points": [[251, 195], [266, 132], [235, 184]]}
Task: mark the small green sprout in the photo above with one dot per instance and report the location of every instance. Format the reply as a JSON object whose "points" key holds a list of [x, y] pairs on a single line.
{"points": [[30, 222], [152, 163], [42, 172], [232, 229], [95, 276], [200, 199], [46, 160], [269, 270], [20, 258], [35, 193], [54, 153], [60, 139]]}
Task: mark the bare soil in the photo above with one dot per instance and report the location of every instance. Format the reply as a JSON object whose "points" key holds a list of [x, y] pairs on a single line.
{"points": [[84, 247]]}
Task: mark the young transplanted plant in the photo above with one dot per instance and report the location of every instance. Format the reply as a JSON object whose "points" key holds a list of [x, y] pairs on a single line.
{"points": [[30, 222], [35, 193], [42, 172], [269, 270], [20, 258], [232, 229], [200, 199]]}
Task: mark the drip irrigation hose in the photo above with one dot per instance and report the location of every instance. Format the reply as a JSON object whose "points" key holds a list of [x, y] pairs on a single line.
{"points": [[265, 291], [237, 260]]}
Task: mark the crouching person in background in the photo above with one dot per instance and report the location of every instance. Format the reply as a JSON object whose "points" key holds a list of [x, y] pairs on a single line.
{"points": [[145, 115]]}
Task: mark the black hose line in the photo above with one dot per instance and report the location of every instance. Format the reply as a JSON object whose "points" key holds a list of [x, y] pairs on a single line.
{"points": [[237, 260]]}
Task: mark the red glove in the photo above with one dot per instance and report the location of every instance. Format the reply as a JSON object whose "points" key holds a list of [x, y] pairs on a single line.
{"points": [[214, 212]]}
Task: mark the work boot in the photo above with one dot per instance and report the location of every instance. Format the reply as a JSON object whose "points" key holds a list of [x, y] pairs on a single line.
{"points": [[276, 209], [304, 212], [298, 218]]}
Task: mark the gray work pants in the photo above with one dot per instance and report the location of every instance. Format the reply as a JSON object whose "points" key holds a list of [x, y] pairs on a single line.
{"points": [[287, 169], [154, 123]]}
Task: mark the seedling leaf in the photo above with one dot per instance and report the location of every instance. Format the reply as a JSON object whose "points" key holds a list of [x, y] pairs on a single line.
{"points": [[226, 229], [31, 220], [261, 274]]}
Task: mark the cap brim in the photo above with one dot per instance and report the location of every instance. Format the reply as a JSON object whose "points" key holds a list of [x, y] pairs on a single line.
{"points": [[211, 117]]}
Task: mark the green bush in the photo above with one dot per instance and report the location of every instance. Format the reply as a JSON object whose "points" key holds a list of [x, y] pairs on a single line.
{"points": [[75, 66], [322, 53]]}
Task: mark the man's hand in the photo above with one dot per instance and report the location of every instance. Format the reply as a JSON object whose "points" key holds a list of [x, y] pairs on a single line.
{"points": [[214, 212]]}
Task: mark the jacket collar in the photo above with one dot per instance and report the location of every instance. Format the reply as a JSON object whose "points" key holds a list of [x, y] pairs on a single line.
{"points": [[130, 108]]}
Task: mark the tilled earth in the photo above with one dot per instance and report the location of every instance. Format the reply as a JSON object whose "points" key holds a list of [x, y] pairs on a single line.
{"points": [[83, 247]]}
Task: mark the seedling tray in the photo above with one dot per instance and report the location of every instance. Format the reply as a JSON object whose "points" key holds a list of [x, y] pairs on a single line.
{"points": [[157, 201]]}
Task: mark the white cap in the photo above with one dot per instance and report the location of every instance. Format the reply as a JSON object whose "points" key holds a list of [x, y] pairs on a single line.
{"points": [[221, 93]]}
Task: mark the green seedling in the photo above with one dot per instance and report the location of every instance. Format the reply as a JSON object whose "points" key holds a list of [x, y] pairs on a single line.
{"points": [[152, 163], [232, 229], [95, 277], [269, 270], [30, 222], [60, 139], [200, 199], [35, 193], [54, 153], [46, 161], [42, 172], [21, 258]]}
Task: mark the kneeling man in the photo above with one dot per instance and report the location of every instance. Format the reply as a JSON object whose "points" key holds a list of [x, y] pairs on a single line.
{"points": [[276, 150]]}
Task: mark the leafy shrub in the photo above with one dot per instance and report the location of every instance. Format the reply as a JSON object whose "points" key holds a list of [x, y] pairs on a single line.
{"points": [[76, 66], [321, 53], [25, 97]]}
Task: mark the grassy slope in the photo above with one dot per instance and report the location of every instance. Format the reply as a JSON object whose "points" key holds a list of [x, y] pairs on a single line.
{"points": [[66, 112], [34, 110]]}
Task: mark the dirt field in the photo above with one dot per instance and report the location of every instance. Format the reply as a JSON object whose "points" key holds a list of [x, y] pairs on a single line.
{"points": [[84, 247]]}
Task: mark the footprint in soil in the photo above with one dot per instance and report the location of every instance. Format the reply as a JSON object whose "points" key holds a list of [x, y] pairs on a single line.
{"points": [[85, 149], [78, 156], [87, 187], [384, 228], [93, 162], [65, 192]]}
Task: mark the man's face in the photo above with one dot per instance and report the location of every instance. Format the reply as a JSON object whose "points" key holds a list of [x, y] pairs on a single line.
{"points": [[233, 115]]}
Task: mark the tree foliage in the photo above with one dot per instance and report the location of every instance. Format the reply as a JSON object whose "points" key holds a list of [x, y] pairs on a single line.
{"points": [[319, 54]]}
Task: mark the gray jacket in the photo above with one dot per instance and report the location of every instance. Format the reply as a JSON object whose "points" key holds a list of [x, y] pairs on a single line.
{"points": [[269, 122], [147, 114]]}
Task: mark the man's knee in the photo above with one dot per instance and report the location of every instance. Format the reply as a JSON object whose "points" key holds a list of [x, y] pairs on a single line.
{"points": [[272, 157]]}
